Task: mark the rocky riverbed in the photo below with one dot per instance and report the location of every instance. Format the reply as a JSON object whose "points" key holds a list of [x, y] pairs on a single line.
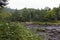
{"points": [[49, 32]]}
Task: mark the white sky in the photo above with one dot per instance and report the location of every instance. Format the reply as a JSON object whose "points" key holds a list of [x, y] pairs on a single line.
{"points": [[19, 4]]}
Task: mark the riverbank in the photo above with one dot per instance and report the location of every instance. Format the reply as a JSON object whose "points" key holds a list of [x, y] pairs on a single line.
{"points": [[44, 23]]}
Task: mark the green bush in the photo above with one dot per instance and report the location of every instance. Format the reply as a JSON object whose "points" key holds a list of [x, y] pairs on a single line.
{"points": [[15, 31]]}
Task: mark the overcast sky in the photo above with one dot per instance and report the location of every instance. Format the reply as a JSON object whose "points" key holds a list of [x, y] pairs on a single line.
{"points": [[19, 4]]}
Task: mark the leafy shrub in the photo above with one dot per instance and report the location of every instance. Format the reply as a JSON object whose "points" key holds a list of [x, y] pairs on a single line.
{"points": [[15, 31]]}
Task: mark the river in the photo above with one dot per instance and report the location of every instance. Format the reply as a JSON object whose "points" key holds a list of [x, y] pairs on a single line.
{"points": [[53, 32]]}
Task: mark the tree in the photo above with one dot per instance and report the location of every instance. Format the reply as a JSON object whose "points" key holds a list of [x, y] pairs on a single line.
{"points": [[49, 16], [56, 11], [3, 3]]}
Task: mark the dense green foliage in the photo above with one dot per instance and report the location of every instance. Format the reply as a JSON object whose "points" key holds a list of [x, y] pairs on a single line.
{"points": [[30, 14], [15, 31]]}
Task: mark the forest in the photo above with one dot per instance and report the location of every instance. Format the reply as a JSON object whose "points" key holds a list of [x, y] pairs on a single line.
{"points": [[30, 14]]}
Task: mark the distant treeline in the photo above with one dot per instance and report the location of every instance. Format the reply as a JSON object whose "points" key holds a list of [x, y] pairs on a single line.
{"points": [[30, 14]]}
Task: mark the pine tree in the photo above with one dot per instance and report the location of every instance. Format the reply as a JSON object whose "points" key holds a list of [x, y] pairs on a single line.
{"points": [[3, 3]]}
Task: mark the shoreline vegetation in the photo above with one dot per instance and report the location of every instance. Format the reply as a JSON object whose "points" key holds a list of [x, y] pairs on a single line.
{"points": [[16, 31], [57, 23]]}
